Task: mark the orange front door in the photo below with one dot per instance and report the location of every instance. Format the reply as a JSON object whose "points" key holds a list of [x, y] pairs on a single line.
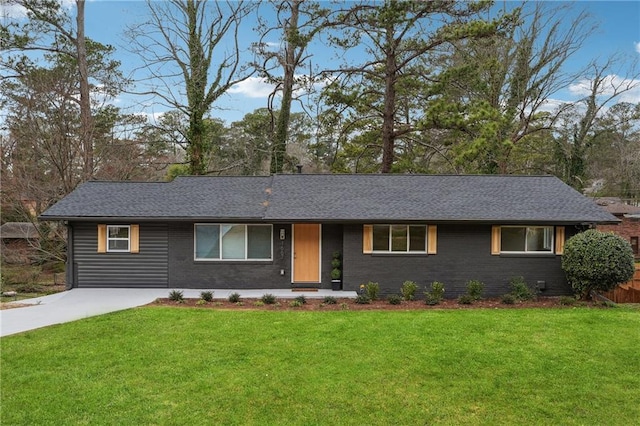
{"points": [[306, 253]]}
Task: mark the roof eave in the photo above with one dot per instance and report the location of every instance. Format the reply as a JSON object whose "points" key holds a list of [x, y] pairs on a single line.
{"points": [[146, 218], [433, 220]]}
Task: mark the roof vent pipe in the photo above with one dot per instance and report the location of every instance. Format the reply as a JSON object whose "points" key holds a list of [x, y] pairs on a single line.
{"points": [[299, 167]]}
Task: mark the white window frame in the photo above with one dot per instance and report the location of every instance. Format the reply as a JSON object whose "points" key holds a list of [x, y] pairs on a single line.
{"points": [[549, 229], [128, 239], [246, 243], [407, 251]]}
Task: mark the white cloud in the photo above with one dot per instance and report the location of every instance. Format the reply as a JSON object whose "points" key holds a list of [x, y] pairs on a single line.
{"points": [[257, 87], [551, 105], [253, 87], [637, 46], [14, 11], [609, 86], [152, 117]]}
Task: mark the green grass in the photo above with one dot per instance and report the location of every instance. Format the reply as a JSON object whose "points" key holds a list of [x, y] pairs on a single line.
{"points": [[169, 366]]}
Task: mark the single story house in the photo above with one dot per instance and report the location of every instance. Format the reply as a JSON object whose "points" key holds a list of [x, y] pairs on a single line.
{"points": [[281, 231], [20, 242], [629, 216]]}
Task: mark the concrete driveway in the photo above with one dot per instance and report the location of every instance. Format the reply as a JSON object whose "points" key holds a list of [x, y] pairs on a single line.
{"points": [[82, 303]]}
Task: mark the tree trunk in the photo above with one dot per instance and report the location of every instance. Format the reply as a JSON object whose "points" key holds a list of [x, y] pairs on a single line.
{"points": [[279, 148], [86, 133], [196, 148], [388, 113]]}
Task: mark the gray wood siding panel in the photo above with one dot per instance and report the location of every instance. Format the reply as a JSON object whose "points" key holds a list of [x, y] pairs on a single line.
{"points": [[185, 272], [464, 253], [145, 269]]}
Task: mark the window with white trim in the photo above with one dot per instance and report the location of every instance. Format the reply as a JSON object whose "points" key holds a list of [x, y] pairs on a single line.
{"points": [[232, 242], [526, 239], [118, 238], [399, 238]]}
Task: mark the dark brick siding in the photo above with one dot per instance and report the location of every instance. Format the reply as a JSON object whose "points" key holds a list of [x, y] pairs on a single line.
{"points": [[184, 272], [166, 260], [464, 253], [629, 228]]}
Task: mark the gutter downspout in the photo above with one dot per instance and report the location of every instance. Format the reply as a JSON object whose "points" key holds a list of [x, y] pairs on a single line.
{"points": [[70, 272]]}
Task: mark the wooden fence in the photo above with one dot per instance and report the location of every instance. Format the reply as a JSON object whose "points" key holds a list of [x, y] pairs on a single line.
{"points": [[628, 292]]}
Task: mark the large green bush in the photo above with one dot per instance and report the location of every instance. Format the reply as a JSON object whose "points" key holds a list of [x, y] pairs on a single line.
{"points": [[595, 260]]}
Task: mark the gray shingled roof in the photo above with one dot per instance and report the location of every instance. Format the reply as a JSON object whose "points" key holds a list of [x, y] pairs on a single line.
{"points": [[337, 198], [185, 197]]}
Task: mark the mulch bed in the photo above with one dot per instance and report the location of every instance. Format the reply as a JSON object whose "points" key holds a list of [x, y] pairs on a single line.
{"points": [[13, 305], [378, 305]]}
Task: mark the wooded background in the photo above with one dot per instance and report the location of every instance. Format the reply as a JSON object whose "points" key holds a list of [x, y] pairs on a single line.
{"points": [[436, 87]]}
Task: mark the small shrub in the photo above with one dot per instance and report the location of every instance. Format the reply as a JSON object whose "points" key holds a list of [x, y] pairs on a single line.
{"points": [[465, 299], [363, 299], [301, 299], [394, 299], [295, 303], [201, 302], [234, 297], [207, 296], [436, 294], [34, 276], [176, 296], [608, 304], [372, 289], [429, 299], [344, 306], [336, 274], [268, 299], [508, 299], [567, 300], [21, 275], [329, 300], [336, 263], [258, 303], [520, 289], [29, 288], [475, 289], [58, 267], [408, 290]]}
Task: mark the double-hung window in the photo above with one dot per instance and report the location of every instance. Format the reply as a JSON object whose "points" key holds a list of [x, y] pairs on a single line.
{"points": [[232, 242], [118, 238], [526, 239], [399, 238]]}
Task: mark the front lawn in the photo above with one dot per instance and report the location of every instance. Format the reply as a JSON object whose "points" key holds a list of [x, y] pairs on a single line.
{"points": [[162, 365]]}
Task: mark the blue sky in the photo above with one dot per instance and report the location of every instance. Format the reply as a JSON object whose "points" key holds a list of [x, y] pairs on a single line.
{"points": [[619, 32]]}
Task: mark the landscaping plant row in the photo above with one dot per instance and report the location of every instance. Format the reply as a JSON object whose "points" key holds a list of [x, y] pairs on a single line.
{"points": [[369, 293]]}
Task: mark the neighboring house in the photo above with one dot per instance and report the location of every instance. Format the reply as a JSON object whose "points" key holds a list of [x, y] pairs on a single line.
{"points": [[19, 242], [281, 231], [629, 216]]}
